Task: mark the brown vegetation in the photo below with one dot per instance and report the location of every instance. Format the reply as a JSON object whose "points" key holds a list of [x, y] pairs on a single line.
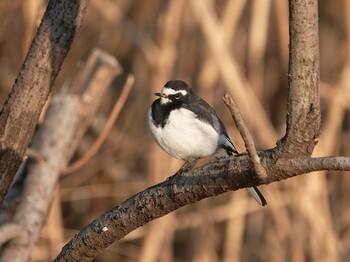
{"points": [[217, 46]]}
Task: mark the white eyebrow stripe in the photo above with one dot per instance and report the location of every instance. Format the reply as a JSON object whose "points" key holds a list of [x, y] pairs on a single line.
{"points": [[169, 91]]}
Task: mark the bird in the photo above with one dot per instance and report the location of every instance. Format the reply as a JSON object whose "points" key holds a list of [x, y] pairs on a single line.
{"points": [[188, 128]]}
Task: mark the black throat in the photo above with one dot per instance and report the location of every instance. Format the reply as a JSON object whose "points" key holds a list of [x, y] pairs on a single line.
{"points": [[160, 113]]}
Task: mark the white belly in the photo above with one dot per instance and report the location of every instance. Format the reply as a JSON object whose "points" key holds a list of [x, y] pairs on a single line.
{"points": [[184, 136]]}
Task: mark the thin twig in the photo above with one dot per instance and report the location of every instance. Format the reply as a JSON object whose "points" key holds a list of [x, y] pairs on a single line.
{"points": [[9, 231], [106, 129], [91, 83], [35, 155], [248, 140]]}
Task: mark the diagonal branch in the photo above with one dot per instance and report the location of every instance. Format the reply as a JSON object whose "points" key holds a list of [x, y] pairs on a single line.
{"points": [[106, 130], [248, 140], [210, 180], [22, 109]]}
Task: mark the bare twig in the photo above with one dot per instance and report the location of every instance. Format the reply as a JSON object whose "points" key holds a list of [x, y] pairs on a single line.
{"points": [[104, 68], [9, 231], [35, 155], [106, 129], [248, 140]]}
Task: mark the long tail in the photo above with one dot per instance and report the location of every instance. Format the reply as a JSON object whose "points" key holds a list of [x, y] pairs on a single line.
{"points": [[258, 196], [254, 191]]}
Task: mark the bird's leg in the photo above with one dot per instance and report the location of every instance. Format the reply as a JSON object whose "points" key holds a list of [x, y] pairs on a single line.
{"points": [[187, 166]]}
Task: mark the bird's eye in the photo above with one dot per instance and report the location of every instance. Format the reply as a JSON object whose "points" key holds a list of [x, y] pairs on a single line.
{"points": [[177, 96]]}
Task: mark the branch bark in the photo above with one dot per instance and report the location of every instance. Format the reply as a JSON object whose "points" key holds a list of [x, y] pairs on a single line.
{"points": [[22, 109], [210, 180], [303, 104]]}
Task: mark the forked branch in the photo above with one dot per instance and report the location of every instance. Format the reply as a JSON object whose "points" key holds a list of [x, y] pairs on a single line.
{"points": [[210, 180], [291, 157]]}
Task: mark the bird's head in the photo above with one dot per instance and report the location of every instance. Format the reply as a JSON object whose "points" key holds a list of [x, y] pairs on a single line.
{"points": [[175, 91]]}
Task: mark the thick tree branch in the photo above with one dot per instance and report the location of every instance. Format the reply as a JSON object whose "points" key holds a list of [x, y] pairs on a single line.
{"points": [[210, 180], [22, 109], [303, 109]]}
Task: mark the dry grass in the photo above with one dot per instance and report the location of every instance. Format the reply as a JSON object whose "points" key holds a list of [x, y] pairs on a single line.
{"points": [[238, 46]]}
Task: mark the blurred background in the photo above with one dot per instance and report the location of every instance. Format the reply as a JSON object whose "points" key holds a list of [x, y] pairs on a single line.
{"points": [[237, 46]]}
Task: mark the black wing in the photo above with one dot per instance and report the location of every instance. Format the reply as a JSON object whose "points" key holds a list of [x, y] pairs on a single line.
{"points": [[206, 113]]}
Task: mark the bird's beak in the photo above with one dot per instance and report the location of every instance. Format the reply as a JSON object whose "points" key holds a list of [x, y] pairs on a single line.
{"points": [[159, 94]]}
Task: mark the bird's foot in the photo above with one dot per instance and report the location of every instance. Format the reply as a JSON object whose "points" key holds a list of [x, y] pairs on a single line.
{"points": [[221, 154], [184, 169]]}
